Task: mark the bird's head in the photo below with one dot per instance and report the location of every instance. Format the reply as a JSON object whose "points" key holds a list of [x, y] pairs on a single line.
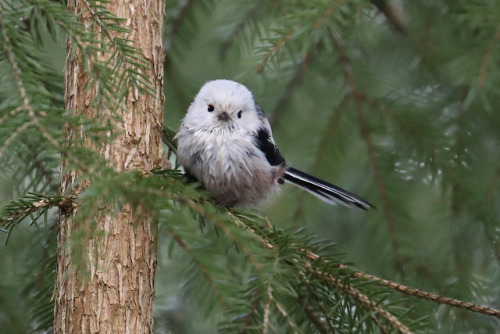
{"points": [[224, 104]]}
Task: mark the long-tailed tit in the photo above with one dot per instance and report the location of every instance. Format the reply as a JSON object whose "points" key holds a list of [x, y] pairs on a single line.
{"points": [[226, 142]]}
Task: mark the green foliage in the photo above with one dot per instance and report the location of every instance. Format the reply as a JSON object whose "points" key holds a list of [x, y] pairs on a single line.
{"points": [[393, 99]]}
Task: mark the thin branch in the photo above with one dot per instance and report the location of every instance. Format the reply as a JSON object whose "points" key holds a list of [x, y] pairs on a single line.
{"points": [[412, 291], [358, 97], [314, 317], [13, 136], [178, 22], [250, 315], [285, 97], [410, 128], [18, 210], [323, 145], [286, 316], [11, 113], [383, 282], [251, 14], [68, 204], [47, 174], [483, 70], [267, 309], [364, 299], [200, 210], [381, 186], [327, 13], [394, 15], [203, 269], [22, 90], [491, 189], [274, 50], [428, 295]]}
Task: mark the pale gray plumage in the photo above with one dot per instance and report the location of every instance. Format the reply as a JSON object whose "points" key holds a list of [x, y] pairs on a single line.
{"points": [[226, 142]]}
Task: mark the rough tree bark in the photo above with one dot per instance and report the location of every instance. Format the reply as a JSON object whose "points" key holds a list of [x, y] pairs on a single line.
{"points": [[114, 292]]}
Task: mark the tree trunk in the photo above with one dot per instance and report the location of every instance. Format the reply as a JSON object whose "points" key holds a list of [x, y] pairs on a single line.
{"points": [[112, 292]]}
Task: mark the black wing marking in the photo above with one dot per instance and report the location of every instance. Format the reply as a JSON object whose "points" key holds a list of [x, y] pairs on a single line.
{"points": [[264, 142]]}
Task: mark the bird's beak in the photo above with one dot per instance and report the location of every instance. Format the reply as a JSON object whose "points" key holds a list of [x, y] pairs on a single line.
{"points": [[223, 116]]}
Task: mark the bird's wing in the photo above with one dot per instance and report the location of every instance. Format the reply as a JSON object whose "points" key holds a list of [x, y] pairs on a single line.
{"points": [[263, 139]]}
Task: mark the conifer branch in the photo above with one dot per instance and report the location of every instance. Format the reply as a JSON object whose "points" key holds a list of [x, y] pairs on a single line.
{"points": [[276, 48], [311, 314], [483, 70], [13, 136], [381, 185], [286, 96], [26, 103], [250, 315], [178, 21], [312, 257], [395, 16], [412, 291], [428, 295], [200, 265], [362, 298], [365, 132], [126, 53], [200, 210], [492, 188], [329, 11], [412, 130], [287, 318], [16, 211], [252, 14], [13, 112], [333, 123], [267, 308]]}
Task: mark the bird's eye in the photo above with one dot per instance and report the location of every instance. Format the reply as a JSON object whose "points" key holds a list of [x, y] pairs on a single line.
{"points": [[239, 113], [211, 107]]}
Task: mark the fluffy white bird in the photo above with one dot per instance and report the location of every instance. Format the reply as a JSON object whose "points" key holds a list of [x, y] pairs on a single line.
{"points": [[226, 142]]}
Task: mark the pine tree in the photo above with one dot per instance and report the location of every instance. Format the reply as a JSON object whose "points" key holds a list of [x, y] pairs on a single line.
{"points": [[105, 282], [391, 99]]}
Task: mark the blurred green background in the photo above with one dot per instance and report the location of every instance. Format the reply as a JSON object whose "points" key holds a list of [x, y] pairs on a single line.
{"points": [[395, 101]]}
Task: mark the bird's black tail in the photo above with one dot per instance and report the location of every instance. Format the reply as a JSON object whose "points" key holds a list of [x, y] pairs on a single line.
{"points": [[324, 190]]}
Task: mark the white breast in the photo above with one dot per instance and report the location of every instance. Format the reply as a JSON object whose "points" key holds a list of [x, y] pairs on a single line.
{"points": [[228, 163]]}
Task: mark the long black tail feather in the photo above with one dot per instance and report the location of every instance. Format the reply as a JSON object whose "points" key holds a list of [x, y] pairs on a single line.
{"points": [[324, 190]]}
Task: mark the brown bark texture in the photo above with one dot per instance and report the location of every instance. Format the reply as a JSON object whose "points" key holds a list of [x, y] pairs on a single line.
{"points": [[105, 279]]}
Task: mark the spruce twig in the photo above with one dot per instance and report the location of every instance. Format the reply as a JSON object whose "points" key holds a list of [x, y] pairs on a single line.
{"points": [[358, 97], [200, 265], [311, 256]]}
